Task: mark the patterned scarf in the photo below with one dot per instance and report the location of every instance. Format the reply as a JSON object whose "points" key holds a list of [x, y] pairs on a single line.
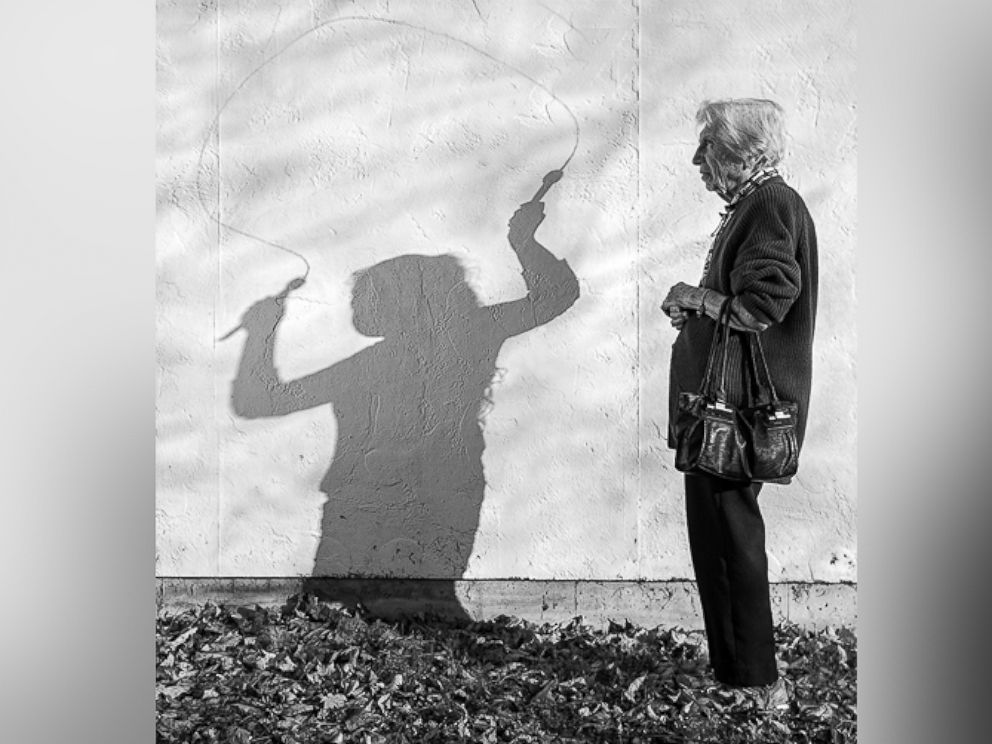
{"points": [[756, 179]]}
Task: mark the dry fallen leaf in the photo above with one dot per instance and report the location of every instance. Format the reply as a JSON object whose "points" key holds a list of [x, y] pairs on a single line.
{"points": [[315, 673]]}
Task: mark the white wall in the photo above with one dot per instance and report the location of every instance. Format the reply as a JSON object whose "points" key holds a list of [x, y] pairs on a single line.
{"points": [[353, 141]]}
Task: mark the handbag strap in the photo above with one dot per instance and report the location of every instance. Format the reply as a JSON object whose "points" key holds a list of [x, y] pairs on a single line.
{"points": [[721, 335], [755, 340], [721, 391]]}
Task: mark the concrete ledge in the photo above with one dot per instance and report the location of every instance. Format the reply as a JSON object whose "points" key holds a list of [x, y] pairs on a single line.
{"points": [[643, 603]]}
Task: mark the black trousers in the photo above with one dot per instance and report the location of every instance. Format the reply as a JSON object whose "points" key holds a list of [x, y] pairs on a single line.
{"points": [[727, 543]]}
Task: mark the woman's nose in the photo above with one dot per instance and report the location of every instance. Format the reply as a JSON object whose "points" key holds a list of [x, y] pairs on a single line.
{"points": [[697, 158]]}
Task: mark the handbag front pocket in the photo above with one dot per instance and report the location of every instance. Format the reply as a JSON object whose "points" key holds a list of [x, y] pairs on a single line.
{"points": [[709, 439], [774, 449]]}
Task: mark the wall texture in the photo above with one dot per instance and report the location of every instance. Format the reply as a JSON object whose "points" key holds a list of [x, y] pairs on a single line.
{"points": [[328, 138]]}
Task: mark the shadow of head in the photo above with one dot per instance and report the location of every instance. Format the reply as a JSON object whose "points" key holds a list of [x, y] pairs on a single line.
{"points": [[410, 292]]}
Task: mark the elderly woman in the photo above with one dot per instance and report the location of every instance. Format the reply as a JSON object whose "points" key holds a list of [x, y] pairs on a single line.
{"points": [[763, 261]]}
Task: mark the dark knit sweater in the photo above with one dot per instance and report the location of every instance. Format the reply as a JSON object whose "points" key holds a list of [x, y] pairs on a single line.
{"points": [[766, 256]]}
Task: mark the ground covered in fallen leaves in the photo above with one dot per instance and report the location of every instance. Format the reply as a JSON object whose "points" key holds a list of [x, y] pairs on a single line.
{"points": [[318, 673]]}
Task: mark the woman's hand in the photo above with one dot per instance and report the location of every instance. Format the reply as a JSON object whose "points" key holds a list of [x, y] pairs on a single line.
{"points": [[683, 297], [678, 317]]}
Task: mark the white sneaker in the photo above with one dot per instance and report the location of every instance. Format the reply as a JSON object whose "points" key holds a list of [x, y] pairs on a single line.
{"points": [[775, 696]]}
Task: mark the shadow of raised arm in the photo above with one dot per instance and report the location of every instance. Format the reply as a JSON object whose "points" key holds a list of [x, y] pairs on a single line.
{"points": [[257, 391], [552, 287]]}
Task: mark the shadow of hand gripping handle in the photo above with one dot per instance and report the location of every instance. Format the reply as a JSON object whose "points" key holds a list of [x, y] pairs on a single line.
{"points": [[549, 180], [530, 215], [265, 313]]}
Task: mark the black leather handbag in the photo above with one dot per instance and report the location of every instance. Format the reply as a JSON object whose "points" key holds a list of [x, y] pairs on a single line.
{"points": [[773, 449], [709, 431], [713, 436]]}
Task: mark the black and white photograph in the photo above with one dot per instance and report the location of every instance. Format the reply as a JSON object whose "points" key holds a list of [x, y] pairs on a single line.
{"points": [[475, 371], [505, 371]]}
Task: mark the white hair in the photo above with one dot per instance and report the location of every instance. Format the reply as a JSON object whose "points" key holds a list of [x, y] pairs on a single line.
{"points": [[750, 131]]}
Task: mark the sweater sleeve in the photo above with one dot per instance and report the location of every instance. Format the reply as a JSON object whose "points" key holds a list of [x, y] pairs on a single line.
{"points": [[766, 278]]}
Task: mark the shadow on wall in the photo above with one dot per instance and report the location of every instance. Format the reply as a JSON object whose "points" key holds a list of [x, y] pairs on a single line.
{"points": [[406, 483]]}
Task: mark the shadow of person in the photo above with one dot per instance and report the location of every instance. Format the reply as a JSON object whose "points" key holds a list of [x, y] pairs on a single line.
{"points": [[406, 483]]}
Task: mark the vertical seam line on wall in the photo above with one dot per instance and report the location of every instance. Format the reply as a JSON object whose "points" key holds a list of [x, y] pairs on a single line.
{"points": [[217, 193], [637, 295]]}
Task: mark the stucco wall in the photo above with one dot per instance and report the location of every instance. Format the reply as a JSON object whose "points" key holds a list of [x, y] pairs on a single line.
{"points": [[351, 133]]}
